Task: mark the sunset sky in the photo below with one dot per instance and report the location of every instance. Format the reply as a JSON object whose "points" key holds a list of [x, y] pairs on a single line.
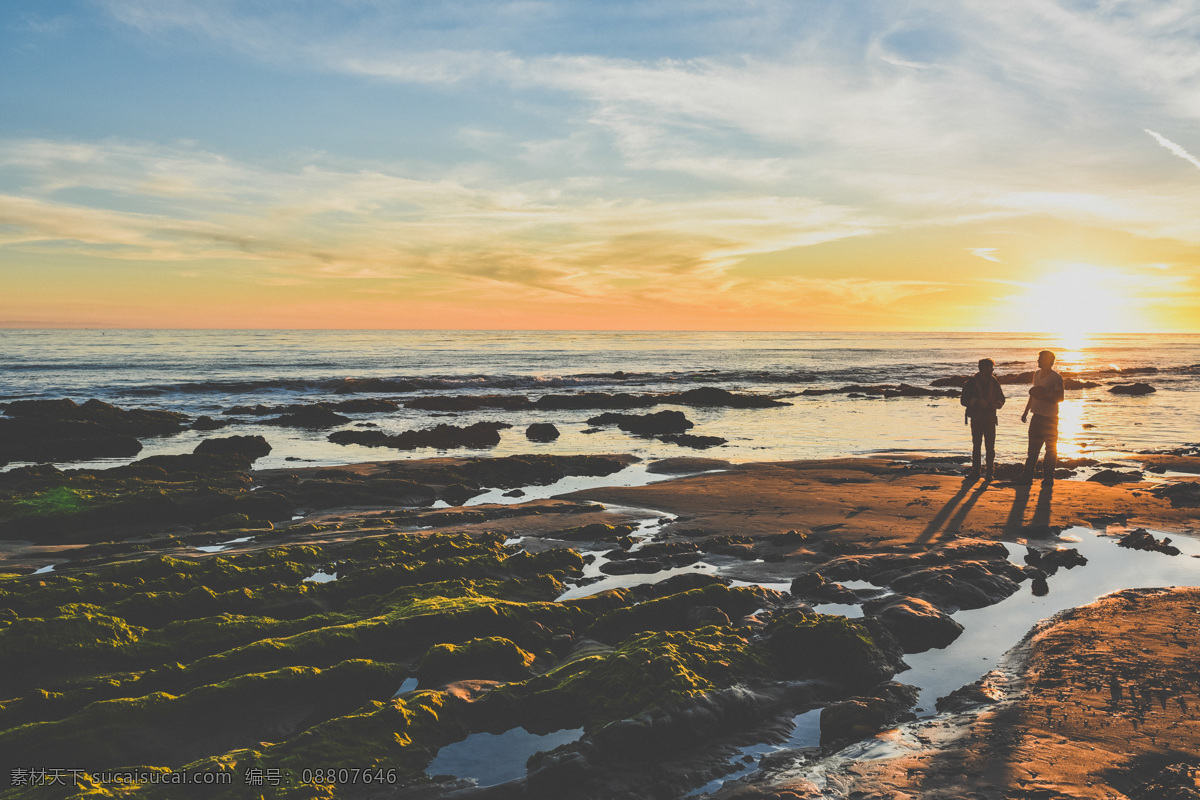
{"points": [[736, 165]]}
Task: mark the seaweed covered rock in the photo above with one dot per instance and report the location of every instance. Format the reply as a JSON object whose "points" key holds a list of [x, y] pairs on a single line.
{"points": [[646, 671], [489, 658], [828, 647], [670, 613]]}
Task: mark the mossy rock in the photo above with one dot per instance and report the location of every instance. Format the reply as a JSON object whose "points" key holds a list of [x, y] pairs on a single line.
{"points": [[670, 613], [647, 671], [490, 658], [829, 647]]}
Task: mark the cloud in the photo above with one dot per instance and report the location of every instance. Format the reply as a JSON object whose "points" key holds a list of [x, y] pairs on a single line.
{"points": [[987, 253], [1174, 148]]}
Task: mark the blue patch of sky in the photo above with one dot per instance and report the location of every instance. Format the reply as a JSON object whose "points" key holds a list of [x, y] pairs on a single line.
{"points": [[78, 86]]}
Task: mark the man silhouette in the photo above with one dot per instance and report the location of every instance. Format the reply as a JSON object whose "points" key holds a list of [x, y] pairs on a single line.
{"points": [[982, 397], [1044, 397]]}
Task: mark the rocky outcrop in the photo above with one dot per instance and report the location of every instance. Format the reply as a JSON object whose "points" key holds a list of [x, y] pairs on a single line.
{"points": [[884, 390], [1111, 477], [541, 432], [252, 447], [695, 442], [918, 625], [61, 430], [1134, 389], [442, 437], [1142, 539], [966, 584], [861, 716], [1180, 495], [312, 417], [658, 424], [833, 648]]}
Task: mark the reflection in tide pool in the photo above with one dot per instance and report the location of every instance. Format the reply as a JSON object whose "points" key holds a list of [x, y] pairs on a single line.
{"points": [[496, 758]]}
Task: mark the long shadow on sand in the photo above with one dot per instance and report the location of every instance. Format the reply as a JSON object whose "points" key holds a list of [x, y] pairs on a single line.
{"points": [[939, 520]]}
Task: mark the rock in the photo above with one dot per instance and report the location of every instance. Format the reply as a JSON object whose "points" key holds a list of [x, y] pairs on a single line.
{"points": [[1134, 389], [515, 493], [670, 612], [658, 424], [657, 550], [696, 442], [61, 430], [442, 437], [590, 400], [1180, 495], [207, 423], [594, 532], [252, 447], [859, 717], [834, 648], [917, 625], [355, 385], [133, 422], [227, 522], [456, 493], [541, 432], [506, 402], [1110, 477], [1043, 563], [490, 658], [984, 691], [713, 397], [885, 390], [686, 464], [967, 584], [808, 582], [366, 405], [61, 440], [313, 417], [1142, 539]]}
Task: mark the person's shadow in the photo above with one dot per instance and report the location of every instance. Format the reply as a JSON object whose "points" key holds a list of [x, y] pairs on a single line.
{"points": [[1015, 524], [1041, 511]]}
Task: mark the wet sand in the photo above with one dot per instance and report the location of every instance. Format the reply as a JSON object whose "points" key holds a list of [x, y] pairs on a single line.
{"points": [[1099, 702], [884, 503]]}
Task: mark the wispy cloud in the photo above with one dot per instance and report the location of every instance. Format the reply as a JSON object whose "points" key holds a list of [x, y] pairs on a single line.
{"points": [[986, 253], [1174, 148]]}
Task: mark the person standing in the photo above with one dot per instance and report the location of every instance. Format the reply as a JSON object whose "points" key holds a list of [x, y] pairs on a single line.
{"points": [[1044, 397], [982, 397]]}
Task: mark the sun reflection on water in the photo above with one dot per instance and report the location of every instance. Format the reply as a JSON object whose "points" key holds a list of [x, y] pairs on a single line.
{"points": [[1072, 416]]}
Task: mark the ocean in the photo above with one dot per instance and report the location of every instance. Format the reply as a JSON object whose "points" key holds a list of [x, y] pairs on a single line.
{"points": [[208, 372]]}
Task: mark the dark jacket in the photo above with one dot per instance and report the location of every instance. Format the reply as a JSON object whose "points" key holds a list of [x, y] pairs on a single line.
{"points": [[982, 396]]}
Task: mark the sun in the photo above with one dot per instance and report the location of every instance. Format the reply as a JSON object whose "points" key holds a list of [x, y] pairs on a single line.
{"points": [[1075, 300]]}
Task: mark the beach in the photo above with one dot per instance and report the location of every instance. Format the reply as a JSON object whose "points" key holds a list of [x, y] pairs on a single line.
{"points": [[474, 612]]}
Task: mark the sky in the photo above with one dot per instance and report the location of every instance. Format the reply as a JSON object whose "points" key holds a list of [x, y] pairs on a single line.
{"points": [[1023, 165]]}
